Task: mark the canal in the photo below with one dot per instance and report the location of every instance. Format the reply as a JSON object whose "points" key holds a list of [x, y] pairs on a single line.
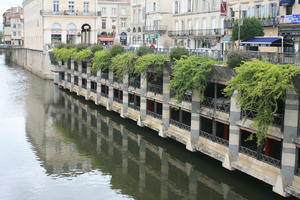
{"points": [[55, 145]]}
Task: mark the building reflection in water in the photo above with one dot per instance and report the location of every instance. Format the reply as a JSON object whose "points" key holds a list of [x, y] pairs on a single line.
{"points": [[71, 136]]}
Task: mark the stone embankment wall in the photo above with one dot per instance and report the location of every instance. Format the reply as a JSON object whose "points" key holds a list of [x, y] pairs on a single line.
{"points": [[35, 61]]}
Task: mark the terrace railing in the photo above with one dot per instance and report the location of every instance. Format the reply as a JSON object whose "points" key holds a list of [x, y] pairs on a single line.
{"points": [[154, 114], [214, 138], [180, 125]]}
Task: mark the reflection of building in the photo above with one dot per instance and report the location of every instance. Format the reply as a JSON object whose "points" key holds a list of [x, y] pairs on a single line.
{"points": [[52, 22], [58, 156], [13, 26], [197, 24]]}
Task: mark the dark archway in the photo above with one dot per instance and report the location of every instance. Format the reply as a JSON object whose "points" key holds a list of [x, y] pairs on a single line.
{"points": [[86, 34]]}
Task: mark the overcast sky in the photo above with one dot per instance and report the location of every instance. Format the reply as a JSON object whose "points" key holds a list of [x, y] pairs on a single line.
{"points": [[6, 4]]}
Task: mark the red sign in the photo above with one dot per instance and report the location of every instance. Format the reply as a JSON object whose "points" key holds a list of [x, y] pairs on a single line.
{"points": [[223, 9]]}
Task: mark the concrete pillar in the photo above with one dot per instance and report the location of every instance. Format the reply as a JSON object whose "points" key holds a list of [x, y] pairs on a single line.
{"points": [[124, 150], [125, 96], [234, 132], [143, 106], [72, 66], [88, 70], [288, 158], [195, 123], [142, 171], [111, 89], [193, 184], [166, 108], [79, 67], [164, 173]]}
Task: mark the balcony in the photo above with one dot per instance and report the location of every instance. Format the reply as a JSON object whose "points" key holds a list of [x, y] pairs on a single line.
{"points": [[159, 28], [157, 89], [220, 104], [214, 138], [197, 33], [228, 24], [67, 13], [180, 125], [154, 114]]}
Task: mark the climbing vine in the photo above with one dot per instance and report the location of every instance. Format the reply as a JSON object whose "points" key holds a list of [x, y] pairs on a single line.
{"points": [[63, 54], [150, 60], [101, 60], [124, 63], [191, 73], [83, 55], [260, 86]]}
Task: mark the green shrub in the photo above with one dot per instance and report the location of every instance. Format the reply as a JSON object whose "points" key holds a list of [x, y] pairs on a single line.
{"points": [[177, 53], [80, 47], [123, 63], [83, 55], [60, 45], [191, 74], [101, 60], [63, 54], [116, 49], [95, 48], [155, 60], [144, 50], [235, 59]]}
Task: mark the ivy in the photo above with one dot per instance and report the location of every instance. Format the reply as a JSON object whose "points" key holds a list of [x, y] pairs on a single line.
{"points": [[123, 63], [260, 86], [63, 54], [191, 73], [83, 55], [154, 60], [101, 60]]}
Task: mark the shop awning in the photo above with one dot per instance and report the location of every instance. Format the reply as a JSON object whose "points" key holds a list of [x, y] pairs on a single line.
{"points": [[106, 39], [267, 42], [286, 2]]}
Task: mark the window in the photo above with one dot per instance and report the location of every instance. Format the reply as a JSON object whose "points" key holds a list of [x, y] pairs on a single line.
{"points": [[123, 24], [14, 33], [14, 26], [289, 10], [176, 7], [71, 6], [154, 6], [273, 10], [103, 23], [103, 11], [113, 11], [189, 7], [86, 7], [123, 11], [55, 6]]}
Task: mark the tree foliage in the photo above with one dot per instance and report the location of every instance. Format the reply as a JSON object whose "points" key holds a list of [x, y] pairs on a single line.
{"points": [[123, 63], [177, 53], [144, 50], [191, 74], [116, 49], [260, 86], [235, 59], [154, 60], [83, 55], [101, 60], [63, 54], [96, 48], [251, 28]]}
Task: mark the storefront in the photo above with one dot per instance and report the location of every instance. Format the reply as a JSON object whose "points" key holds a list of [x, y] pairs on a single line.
{"points": [[56, 32], [106, 39], [71, 34]]}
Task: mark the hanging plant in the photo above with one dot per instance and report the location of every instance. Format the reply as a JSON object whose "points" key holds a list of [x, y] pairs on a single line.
{"points": [[83, 55], [191, 73], [260, 86], [63, 54], [150, 60], [101, 60], [123, 63]]}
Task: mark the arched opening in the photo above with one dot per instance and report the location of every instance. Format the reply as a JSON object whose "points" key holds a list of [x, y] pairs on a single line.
{"points": [[86, 34], [55, 34], [71, 33], [123, 38], [134, 30], [139, 29]]}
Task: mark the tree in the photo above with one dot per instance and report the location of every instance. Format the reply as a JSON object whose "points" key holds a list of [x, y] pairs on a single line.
{"points": [[1, 37], [251, 28]]}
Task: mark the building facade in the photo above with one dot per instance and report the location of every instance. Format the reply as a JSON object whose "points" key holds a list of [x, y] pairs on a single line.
{"points": [[265, 11], [13, 26], [137, 23], [197, 24]]}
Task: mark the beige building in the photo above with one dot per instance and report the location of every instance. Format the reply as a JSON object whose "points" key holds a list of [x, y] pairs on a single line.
{"points": [[13, 26], [137, 23], [197, 24], [264, 10]]}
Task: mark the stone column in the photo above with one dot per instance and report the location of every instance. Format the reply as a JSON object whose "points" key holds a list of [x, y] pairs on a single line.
{"points": [[164, 174], [143, 106], [166, 108], [88, 88], [142, 172], [88, 70], [79, 67], [288, 158], [124, 150], [111, 89], [234, 132], [193, 184], [72, 66], [195, 123], [125, 96]]}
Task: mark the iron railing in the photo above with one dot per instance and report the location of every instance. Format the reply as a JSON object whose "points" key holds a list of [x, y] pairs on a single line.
{"points": [[197, 33], [264, 21], [278, 118], [134, 83], [214, 138], [68, 13], [220, 104], [159, 28], [180, 125], [186, 97], [154, 114], [118, 100], [157, 89], [133, 106]]}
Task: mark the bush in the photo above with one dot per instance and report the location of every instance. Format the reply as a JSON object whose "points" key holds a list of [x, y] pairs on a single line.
{"points": [[123, 63], [63, 54], [116, 49], [156, 60], [177, 53], [61, 45], [235, 59], [96, 48], [83, 55], [144, 50], [81, 47], [101, 60]]}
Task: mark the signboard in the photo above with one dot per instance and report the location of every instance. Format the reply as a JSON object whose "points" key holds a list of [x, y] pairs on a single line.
{"points": [[296, 18], [223, 9]]}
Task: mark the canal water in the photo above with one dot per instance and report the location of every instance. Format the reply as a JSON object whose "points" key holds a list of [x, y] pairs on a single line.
{"points": [[54, 145]]}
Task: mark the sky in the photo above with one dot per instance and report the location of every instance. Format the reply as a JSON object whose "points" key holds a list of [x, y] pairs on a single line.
{"points": [[6, 4]]}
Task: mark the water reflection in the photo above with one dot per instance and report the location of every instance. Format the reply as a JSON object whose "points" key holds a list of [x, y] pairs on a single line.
{"points": [[72, 137]]}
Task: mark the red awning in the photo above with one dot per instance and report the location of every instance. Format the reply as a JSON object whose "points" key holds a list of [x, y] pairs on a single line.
{"points": [[106, 39]]}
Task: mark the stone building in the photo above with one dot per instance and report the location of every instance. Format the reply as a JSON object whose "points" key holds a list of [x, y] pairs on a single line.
{"points": [[196, 24], [137, 23], [13, 26]]}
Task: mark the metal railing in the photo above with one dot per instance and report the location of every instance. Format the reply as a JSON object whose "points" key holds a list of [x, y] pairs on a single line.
{"points": [[220, 104], [154, 114], [157, 89], [259, 156], [68, 13], [214, 138], [116, 79], [264, 21], [278, 118], [134, 83], [197, 33], [155, 28], [104, 75], [186, 97], [118, 100], [133, 106], [180, 125]]}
